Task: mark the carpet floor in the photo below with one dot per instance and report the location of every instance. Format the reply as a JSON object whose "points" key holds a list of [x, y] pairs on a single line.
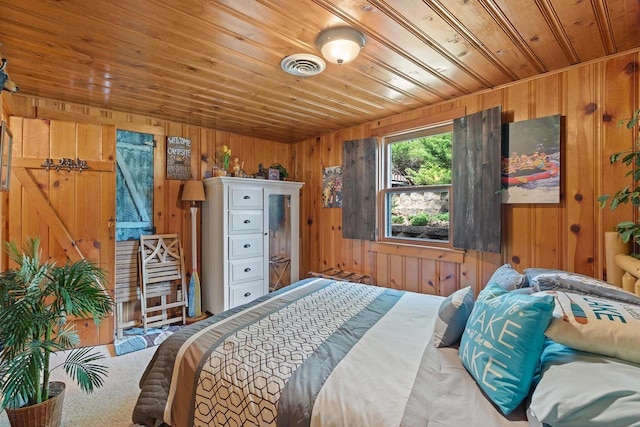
{"points": [[110, 405]]}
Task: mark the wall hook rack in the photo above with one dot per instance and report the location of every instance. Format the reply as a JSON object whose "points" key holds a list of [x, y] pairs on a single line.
{"points": [[65, 163]]}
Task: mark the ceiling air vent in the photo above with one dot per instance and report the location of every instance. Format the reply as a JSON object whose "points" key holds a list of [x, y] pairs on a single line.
{"points": [[303, 65]]}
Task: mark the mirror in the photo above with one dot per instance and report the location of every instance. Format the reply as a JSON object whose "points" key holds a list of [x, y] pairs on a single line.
{"points": [[279, 241]]}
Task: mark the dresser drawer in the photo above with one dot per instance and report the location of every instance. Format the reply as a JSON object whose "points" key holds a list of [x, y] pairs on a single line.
{"points": [[245, 198], [244, 293], [243, 222], [245, 246], [245, 270]]}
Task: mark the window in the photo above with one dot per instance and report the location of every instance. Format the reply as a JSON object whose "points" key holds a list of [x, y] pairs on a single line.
{"points": [[417, 186]]}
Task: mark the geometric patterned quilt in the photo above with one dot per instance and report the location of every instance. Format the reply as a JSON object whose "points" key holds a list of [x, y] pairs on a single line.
{"points": [[315, 353]]}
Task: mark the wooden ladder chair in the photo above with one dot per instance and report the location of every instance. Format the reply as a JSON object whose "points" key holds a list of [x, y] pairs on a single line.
{"points": [[162, 277]]}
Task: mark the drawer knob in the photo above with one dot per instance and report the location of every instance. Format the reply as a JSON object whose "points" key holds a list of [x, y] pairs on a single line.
{"points": [[247, 221], [247, 294], [247, 246], [246, 270], [246, 197]]}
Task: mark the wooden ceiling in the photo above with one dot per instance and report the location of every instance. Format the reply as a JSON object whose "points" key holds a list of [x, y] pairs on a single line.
{"points": [[217, 63]]}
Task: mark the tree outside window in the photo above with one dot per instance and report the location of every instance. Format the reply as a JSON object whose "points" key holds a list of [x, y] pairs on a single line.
{"points": [[418, 184]]}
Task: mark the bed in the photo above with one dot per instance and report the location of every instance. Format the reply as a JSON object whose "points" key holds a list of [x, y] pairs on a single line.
{"points": [[329, 353]]}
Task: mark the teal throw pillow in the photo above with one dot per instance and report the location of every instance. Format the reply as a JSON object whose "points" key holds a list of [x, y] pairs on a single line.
{"points": [[502, 343]]}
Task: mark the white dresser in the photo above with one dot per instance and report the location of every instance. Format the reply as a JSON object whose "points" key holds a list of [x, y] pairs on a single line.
{"points": [[245, 224]]}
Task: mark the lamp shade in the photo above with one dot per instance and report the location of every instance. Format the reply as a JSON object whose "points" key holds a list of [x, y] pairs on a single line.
{"points": [[340, 45], [193, 191]]}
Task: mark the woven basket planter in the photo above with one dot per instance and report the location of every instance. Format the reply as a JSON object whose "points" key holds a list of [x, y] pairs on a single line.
{"points": [[45, 414]]}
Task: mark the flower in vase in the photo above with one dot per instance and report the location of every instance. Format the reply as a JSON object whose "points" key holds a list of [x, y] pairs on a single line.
{"points": [[225, 155]]}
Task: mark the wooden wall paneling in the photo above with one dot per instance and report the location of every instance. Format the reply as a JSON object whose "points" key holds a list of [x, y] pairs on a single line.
{"points": [[62, 184], [87, 227], [161, 212], [314, 177], [448, 273], [37, 201], [595, 226], [194, 134], [245, 149], [619, 95], [177, 219], [411, 270], [310, 209], [471, 270], [89, 147], [319, 218], [582, 110], [396, 265], [354, 255], [331, 217], [579, 90], [204, 162], [486, 266], [383, 273], [311, 190], [519, 229], [429, 278], [235, 142], [546, 95], [107, 234], [35, 144], [14, 210]]}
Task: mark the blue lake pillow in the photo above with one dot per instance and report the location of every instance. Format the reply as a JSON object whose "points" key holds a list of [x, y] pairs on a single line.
{"points": [[452, 317], [502, 343]]}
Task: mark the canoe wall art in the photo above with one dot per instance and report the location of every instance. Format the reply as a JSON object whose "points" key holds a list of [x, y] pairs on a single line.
{"points": [[531, 161]]}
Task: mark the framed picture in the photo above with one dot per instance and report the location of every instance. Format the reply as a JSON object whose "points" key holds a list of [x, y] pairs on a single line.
{"points": [[531, 161], [332, 187], [6, 142], [274, 174]]}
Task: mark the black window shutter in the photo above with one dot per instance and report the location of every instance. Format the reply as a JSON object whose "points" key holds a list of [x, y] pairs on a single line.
{"points": [[476, 181], [359, 168]]}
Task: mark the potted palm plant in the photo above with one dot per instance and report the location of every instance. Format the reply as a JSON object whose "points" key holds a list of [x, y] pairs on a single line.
{"points": [[36, 301], [628, 231]]}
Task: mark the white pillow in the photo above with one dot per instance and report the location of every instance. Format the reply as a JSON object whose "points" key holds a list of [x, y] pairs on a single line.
{"points": [[579, 389], [596, 325]]}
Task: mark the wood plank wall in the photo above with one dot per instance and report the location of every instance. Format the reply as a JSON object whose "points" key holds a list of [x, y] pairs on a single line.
{"points": [[592, 98], [53, 124]]}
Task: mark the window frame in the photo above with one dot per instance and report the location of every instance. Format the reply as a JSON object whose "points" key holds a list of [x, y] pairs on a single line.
{"points": [[385, 189]]}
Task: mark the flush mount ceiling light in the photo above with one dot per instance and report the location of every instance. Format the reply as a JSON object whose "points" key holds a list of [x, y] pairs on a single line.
{"points": [[340, 45]]}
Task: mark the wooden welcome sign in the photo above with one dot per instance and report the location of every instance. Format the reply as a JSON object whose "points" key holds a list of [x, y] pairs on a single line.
{"points": [[178, 158]]}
